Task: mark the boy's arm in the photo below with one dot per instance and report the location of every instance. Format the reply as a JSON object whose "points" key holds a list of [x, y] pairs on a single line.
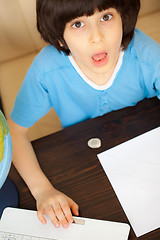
{"points": [[49, 201]]}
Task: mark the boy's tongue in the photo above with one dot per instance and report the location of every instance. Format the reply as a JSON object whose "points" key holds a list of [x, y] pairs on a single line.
{"points": [[98, 57]]}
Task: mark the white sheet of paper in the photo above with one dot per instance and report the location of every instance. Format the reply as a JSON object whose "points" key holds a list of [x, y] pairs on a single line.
{"points": [[133, 168]]}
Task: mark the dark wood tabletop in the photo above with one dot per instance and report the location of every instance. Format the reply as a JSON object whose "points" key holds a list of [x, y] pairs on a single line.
{"points": [[74, 168]]}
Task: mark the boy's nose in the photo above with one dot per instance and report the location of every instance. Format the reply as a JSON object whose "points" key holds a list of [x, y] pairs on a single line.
{"points": [[96, 35]]}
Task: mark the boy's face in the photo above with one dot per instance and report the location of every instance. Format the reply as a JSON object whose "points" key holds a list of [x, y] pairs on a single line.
{"points": [[95, 43]]}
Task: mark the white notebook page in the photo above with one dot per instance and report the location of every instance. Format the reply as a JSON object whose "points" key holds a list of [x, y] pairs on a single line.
{"points": [[133, 169]]}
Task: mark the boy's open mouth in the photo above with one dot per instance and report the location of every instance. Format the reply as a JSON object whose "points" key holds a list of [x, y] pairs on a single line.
{"points": [[100, 59]]}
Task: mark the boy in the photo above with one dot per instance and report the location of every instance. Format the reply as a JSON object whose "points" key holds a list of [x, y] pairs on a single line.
{"points": [[96, 63]]}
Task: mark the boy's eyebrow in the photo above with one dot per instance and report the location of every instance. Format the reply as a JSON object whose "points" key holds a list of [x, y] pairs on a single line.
{"points": [[103, 11], [109, 10]]}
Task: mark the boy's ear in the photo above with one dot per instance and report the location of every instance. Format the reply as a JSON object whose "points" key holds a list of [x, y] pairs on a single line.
{"points": [[60, 44]]}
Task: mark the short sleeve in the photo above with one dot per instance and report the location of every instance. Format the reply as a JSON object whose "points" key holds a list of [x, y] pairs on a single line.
{"points": [[32, 101], [157, 80]]}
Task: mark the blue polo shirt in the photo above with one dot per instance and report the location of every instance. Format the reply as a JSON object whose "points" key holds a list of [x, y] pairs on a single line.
{"points": [[53, 81]]}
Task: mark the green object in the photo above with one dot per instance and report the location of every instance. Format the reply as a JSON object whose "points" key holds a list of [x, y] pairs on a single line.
{"points": [[5, 149]]}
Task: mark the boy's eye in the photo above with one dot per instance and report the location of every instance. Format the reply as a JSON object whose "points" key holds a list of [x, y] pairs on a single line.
{"points": [[106, 17], [78, 24]]}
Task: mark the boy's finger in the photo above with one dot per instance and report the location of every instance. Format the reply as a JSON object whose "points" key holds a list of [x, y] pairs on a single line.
{"points": [[40, 215], [51, 214], [60, 215], [67, 212], [74, 207]]}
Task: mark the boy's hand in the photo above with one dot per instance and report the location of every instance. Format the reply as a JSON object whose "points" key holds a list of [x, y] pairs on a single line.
{"points": [[57, 206]]}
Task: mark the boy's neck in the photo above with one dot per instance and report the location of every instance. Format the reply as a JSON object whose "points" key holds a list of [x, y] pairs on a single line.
{"points": [[99, 79]]}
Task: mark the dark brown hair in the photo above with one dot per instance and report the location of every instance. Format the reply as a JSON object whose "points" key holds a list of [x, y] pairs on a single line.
{"points": [[52, 16]]}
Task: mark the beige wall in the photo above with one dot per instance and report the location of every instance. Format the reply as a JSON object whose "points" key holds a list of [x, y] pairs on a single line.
{"points": [[149, 6], [18, 34]]}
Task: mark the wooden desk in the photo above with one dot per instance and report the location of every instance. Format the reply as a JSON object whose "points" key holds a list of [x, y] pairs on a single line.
{"points": [[74, 168]]}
